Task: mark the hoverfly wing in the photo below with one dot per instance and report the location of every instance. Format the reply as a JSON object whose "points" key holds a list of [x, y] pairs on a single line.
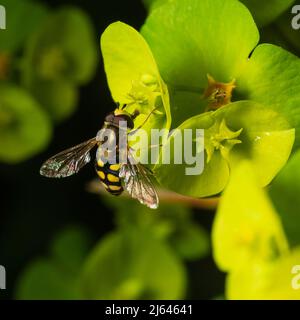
{"points": [[138, 183], [69, 161]]}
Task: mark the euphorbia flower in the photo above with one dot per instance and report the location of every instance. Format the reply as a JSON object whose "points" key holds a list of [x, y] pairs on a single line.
{"points": [[192, 39]]}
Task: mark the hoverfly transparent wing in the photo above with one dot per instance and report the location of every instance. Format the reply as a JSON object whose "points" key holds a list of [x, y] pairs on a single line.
{"points": [[138, 183], [69, 161]]}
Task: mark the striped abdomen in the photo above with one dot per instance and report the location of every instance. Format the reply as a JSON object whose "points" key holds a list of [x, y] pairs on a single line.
{"points": [[109, 176]]}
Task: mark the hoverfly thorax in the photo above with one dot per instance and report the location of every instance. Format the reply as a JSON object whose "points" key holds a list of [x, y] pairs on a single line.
{"points": [[112, 137], [112, 149], [113, 119]]}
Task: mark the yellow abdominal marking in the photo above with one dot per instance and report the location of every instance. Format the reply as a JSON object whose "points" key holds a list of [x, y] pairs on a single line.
{"points": [[112, 178], [101, 175], [100, 163], [114, 167], [115, 188]]}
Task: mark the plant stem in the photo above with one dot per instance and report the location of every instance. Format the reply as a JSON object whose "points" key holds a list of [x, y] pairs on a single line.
{"points": [[165, 196]]}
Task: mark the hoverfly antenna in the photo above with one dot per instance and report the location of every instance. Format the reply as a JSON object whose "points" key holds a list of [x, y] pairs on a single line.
{"points": [[147, 118]]}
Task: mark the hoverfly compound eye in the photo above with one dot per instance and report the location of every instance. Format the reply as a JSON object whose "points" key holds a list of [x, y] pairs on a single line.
{"points": [[129, 121], [102, 135]]}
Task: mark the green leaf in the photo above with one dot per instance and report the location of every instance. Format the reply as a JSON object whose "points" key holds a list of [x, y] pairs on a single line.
{"points": [[264, 133], [284, 192], [265, 12], [131, 264], [22, 18], [246, 227], [268, 281], [272, 77], [25, 129], [131, 70], [197, 42]]}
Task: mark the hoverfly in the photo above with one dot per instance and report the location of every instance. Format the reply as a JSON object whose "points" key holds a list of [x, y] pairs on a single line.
{"points": [[132, 176]]}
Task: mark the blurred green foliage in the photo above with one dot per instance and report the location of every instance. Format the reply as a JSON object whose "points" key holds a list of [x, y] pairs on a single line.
{"points": [[265, 281], [53, 66], [23, 17], [284, 193], [39, 54], [57, 276], [171, 223], [264, 12], [280, 32], [121, 265], [249, 239], [21, 118], [244, 231]]}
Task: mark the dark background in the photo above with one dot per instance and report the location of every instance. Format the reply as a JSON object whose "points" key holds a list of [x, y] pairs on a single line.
{"points": [[34, 209]]}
